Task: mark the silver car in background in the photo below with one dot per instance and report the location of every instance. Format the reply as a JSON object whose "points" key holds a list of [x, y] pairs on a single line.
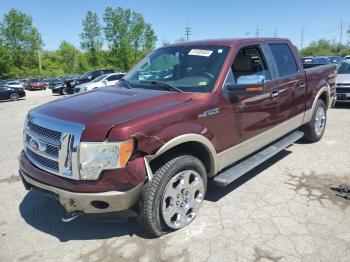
{"points": [[101, 81], [343, 81]]}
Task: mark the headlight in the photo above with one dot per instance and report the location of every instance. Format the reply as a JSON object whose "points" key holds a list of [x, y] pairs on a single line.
{"points": [[95, 157]]}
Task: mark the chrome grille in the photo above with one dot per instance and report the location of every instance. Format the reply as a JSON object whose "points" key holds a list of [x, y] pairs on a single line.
{"points": [[45, 134], [42, 162], [52, 144]]}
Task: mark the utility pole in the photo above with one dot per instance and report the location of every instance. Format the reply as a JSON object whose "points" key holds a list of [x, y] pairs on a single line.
{"points": [[302, 38], [341, 32], [187, 32], [246, 34], [275, 32], [257, 31], [38, 49]]}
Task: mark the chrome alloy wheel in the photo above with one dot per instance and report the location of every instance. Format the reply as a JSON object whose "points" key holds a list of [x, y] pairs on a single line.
{"points": [[320, 120], [183, 196]]}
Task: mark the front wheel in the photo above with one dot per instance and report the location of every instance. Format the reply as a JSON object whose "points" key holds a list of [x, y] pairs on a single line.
{"points": [[172, 199], [314, 130], [14, 97]]}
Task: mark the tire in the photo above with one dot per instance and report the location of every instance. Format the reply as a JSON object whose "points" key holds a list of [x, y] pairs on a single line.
{"points": [[172, 199], [314, 130], [14, 97]]}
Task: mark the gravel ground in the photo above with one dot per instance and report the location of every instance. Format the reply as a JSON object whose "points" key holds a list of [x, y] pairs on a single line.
{"points": [[282, 211]]}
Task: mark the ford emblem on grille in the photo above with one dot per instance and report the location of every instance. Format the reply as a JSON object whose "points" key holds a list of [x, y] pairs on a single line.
{"points": [[36, 145]]}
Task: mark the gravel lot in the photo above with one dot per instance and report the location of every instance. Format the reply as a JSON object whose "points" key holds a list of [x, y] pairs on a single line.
{"points": [[282, 211]]}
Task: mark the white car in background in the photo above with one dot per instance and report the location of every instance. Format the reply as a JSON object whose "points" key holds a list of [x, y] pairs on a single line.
{"points": [[101, 81], [343, 81], [14, 84]]}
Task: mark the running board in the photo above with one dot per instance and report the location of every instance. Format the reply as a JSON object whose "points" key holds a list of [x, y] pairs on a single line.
{"points": [[231, 174]]}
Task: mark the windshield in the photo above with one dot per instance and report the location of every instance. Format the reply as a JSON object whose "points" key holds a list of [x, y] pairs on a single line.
{"points": [[344, 68], [85, 75], [98, 79], [189, 69]]}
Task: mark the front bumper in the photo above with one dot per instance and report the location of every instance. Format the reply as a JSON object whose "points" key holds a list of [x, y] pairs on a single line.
{"points": [[88, 203], [343, 93], [116, 190]]}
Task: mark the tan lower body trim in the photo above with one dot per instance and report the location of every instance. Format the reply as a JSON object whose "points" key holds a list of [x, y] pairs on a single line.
{"points": [[73, 201], [233, 154]]}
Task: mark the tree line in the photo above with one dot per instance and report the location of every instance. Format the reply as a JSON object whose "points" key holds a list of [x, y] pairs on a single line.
{"points": [[121, 39], [119, 42]]}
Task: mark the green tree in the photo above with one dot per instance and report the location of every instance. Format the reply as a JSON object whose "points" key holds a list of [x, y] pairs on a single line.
{"points": [[6, 63], [128, 35], [19, 35], [91, 39], [69, 57]]}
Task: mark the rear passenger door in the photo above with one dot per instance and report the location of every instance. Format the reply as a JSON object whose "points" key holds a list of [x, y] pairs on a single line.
{"points": [[289, 82]]}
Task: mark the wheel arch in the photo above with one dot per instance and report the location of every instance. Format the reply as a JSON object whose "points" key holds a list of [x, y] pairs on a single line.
{"points": [[324, 94], [194, 144]]}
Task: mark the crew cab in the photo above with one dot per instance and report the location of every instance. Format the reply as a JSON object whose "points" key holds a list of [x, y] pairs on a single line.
{"points": [[186, 113]]}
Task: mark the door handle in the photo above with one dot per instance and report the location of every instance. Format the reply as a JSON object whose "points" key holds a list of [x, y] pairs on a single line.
{"points": [[274, 94], [302, 85]]}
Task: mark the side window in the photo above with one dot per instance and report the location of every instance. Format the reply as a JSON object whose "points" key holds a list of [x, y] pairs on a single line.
{"points": [[120, 76], [284, 59], [112, 78], [249, 66]]}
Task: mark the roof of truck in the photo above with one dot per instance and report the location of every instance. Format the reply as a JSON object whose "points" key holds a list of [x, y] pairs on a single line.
{"points": [[229, 41]]}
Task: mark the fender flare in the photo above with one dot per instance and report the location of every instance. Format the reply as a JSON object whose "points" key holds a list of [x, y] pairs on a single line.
{"points": [[324, 89], [205, 142]]}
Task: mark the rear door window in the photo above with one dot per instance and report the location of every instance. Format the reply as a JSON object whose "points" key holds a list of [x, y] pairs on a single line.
{"points": [[112, 78], [284, 59]]}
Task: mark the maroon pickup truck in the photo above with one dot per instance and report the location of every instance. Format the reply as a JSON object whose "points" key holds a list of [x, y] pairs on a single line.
{"points": [[186, 113]]}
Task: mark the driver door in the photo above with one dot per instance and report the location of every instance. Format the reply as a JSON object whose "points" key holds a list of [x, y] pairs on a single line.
{"points": [[249, 115]]}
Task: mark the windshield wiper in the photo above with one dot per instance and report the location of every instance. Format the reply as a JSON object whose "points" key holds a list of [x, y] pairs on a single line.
{"points": [[128, 86], [163, 84]]}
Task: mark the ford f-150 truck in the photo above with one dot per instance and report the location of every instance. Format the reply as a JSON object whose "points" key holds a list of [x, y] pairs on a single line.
{"points": [[185, 114]]}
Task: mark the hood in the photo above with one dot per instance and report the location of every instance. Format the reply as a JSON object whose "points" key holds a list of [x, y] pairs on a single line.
{"points": [[103, 108], [343, 79]]}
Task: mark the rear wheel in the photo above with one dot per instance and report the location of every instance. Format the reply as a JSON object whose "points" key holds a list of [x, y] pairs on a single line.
{"points": [[172, 199], [314, 130], [14, 97]]}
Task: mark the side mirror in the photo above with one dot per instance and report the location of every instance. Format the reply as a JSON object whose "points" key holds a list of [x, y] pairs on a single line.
{"points": [[247, 85], [105, 81]]}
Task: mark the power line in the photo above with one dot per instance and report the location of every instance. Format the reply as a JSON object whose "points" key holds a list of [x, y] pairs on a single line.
{"points": [[187, 32]]}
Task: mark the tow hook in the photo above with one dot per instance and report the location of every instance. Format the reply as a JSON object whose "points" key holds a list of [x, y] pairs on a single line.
{"points": [[71, 216]]}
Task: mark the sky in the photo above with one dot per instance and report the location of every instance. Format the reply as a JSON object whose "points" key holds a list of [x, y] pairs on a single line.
{"points": [[59, 20]]}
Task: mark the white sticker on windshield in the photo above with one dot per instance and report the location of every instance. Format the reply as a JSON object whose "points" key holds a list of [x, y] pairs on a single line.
{"points": [[200, 52]]}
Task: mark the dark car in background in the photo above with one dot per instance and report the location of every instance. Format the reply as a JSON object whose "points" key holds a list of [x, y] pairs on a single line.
{"points": [[84, 78], [36, 84], [11, 93], [336, 59], [56, 82]]}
